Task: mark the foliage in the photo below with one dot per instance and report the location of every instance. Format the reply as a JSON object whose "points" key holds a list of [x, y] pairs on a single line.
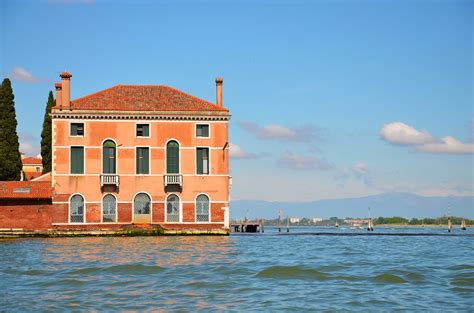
{"points": [[46, 136], [10, 157]]}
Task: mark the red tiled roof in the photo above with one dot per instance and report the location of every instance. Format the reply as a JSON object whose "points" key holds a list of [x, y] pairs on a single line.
{"points": [[143, 98], [31, 161], [44, 177], [25, 190], [32, 175]]}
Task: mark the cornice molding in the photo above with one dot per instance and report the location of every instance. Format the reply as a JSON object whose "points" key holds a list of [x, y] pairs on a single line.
{"points": [[166, 117]]}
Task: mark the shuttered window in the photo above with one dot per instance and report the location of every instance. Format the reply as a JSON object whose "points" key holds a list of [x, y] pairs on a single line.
{"points": [[172, 158], [77, 160], [202, 160], [109, 157], [77, 129], [143, 160], [202, 130], [143, 130]]}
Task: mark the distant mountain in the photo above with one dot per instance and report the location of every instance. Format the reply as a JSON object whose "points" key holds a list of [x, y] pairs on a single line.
{"points": [[403, 204]]}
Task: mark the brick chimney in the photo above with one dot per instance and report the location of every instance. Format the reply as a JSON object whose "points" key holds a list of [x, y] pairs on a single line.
{"points": [[219, 83], [66, 89], [59, 99]]}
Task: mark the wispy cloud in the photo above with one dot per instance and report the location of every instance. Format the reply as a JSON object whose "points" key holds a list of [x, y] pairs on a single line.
{"points": [[305, 133], [359, 171], [399, 133], [29, 144], [21, 74], [236, 152], [302, 162]]}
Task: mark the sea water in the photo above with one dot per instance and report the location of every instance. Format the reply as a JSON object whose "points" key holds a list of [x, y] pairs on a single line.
{"points": [[304, 270]]}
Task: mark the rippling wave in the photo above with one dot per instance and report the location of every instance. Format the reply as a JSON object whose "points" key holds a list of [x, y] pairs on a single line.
{"points": [[239, 273]]}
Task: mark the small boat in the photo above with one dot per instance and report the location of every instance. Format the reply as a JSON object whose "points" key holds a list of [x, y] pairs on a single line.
{"points": [[337, 224], [463, 224]]}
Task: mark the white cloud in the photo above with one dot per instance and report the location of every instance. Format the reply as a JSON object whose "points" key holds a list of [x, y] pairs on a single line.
{"points": [[21, 74], [236, 152], [448, 144], [305, 133], [302, 162], [402, 134]]}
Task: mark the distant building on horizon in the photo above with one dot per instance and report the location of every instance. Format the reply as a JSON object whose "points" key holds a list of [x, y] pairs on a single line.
{"points": [[295, 220]]}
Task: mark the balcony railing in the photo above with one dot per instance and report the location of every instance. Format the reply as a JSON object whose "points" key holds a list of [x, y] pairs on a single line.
{"points": [[109, 179], [173, 179]]}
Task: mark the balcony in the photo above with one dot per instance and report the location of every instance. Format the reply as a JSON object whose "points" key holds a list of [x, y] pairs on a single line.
{"points": [[173, 179], [109, 179]]}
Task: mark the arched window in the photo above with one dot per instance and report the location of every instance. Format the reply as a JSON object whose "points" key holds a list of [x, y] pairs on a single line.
{"points": [[141, 204], [76, 209], [172, 157], [202, 208], [109, 157], [172, 208], [109, 209]]}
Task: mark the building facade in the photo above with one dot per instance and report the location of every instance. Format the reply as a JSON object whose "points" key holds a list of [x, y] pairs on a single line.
{"points": [[135, 154], [32, 168]]}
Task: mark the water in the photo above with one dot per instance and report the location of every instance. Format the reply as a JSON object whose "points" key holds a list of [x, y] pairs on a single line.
{"points": [[241, 272]]}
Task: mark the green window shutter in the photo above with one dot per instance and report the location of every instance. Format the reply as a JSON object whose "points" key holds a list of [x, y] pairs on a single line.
{"points": [[146, 130], [73, 129], [77, 160], [172, 157], [143, 161], [199, 154], [202, 160], [202, 130], [146, 161], [205, 130], [108, 157]]}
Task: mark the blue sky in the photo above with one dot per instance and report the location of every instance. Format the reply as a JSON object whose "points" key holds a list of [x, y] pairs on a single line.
{"points": [[329, 99]]}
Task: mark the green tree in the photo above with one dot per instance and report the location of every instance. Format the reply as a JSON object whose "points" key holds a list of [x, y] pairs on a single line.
{"points": [[46, 136], [10, 158]]}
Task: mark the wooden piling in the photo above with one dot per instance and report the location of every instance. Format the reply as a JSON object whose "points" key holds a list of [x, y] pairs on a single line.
{"points": [[287, 224], [263, 225], [279, 220]]}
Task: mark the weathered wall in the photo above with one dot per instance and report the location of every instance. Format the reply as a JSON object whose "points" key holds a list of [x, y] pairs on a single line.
{"points": [[26, 214]]}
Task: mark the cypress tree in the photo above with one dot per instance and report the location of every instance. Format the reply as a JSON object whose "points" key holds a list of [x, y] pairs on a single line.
{"points": [[46, 136], [10, 158]]}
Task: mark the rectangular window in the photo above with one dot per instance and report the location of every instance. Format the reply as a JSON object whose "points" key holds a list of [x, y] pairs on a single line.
{"points": [[77, 129], [202, 160], [77, 160], [143, 160], [202, 130], [143, 130]]}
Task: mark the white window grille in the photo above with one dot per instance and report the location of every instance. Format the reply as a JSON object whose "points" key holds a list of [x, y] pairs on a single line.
{"points": [[76, 208], [109, 209], [172, 208], [202, 208]]}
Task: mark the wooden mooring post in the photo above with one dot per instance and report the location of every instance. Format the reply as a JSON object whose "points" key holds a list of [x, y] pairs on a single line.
{"points": [[279, 220]]}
